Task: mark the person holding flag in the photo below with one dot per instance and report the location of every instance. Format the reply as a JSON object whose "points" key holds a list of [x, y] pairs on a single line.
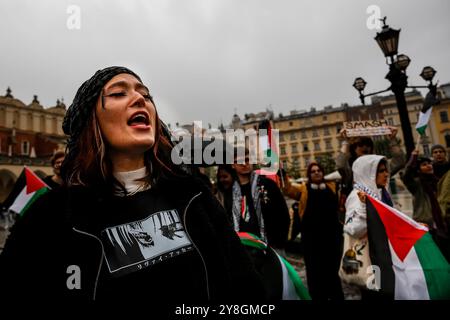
{"points": [[420, 180], [258, 206], [272, 167], [260, 216], [406, 263]]}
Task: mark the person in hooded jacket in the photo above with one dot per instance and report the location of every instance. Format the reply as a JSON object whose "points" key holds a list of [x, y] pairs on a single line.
{"points": [[371, 176], [128, 223], [354, 147], [370, 173]]}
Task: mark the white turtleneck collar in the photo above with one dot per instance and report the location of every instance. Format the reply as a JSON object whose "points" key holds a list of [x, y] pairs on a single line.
{"points": [[130, 180]]}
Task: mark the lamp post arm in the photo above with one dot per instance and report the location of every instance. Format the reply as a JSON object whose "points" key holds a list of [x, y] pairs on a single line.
{"points": [[417, 87], [374, 93], [362, 96]]}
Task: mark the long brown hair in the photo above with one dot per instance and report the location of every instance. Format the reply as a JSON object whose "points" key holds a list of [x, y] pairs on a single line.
{"points": [[91, 166], [310, 166]]}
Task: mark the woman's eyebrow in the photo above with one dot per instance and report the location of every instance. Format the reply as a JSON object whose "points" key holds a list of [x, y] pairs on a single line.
{"points": [[141, 86], [124, 84]]}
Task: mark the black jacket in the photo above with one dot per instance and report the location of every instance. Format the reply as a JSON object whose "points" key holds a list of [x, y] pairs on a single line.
{"points": [[52, 236]]}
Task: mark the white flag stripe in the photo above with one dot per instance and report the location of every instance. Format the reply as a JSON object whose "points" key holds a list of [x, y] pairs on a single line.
{"points": [[410, 281], [423, 118], [21, 200], [289, 292]]}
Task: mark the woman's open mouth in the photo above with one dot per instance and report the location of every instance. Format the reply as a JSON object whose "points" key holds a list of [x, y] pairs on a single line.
{"points": [[139, 120]]}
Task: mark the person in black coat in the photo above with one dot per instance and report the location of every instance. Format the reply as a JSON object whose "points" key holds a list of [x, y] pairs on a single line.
{"points": [[321, 234], [128, 223], [258, 206]]}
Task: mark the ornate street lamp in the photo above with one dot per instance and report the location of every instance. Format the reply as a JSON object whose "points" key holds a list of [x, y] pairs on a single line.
{"points": [[388, 40], [359, 84], [402, 62], [428, 73]]}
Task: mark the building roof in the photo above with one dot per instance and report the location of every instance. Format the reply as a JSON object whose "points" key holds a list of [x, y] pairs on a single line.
{"points": [[312, 112], [9, 100]]}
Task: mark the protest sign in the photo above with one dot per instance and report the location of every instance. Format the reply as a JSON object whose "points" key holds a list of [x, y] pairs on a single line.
{"points": [[366, 128]]}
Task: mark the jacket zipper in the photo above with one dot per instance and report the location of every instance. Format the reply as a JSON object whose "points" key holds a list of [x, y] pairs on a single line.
{"points": [[187, 233], [195, 246], [101, 259]]}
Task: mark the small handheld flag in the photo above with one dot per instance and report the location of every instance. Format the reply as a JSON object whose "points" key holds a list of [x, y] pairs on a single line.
{"points": [[27, 189]]}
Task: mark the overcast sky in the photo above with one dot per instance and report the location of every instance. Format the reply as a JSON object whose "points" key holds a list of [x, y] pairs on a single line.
{"points": [[202, 59]]}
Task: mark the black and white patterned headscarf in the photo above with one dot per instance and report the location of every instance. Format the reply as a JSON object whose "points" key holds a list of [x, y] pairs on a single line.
{"points": [[84, 103]]}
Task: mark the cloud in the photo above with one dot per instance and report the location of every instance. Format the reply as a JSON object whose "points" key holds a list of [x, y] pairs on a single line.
{"points": [[204, 58]]}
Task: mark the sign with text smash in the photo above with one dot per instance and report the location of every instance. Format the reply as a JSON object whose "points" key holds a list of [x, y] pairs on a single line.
{"points": [[366, 128]]}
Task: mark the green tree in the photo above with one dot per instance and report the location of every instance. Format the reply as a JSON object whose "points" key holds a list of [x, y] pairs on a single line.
{"points": [[293, 169], [382, 147], [328, 163]]}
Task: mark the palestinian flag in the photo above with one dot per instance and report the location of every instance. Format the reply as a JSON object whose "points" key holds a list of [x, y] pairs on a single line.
{"points": [[268, 148], [425, 113], [411, 266], [27, 189], [268, 144], [278, 274]]}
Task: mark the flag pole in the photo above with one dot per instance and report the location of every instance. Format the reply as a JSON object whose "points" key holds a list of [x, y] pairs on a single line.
{"points": [[418, 142]]}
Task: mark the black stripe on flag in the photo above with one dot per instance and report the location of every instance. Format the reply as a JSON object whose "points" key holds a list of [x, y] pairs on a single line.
{"points": [[17, 189], [430, 100], [380, 254]]}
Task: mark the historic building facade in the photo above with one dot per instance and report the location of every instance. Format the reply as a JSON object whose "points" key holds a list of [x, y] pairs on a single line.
{"points": [[313, 135], [29, 135]]}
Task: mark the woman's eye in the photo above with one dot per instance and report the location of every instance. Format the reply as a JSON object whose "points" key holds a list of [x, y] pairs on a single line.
{"points": [[116, 94], [147, 96]]}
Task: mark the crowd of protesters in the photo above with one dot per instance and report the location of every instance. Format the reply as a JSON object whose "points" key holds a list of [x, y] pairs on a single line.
{"points": [[117, 199]]}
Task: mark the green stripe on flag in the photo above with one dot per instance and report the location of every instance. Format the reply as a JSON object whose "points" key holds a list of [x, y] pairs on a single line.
{"points": [[36, 195], [435, 268], [252, 243], [421, 130], [422, 122]]}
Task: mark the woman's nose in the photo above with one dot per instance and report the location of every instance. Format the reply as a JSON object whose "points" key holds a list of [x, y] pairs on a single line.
{"points": [[139, 99]]}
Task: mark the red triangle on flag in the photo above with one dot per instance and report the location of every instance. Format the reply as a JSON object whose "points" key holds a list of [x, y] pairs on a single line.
{"points": [[33, 181], [401, 234]]}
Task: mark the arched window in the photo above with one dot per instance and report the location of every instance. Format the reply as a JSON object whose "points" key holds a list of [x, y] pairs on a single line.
{"points": [[447, 139], [25, 148]]}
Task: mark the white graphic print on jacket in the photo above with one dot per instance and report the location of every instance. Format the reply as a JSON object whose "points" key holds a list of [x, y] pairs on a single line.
{"points": [[140, 244]]}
